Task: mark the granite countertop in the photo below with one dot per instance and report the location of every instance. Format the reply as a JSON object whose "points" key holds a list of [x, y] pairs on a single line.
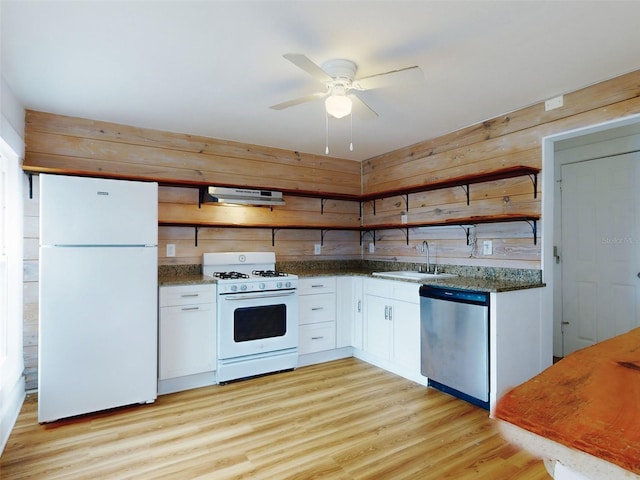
{"points": [[467, 283], [481, 280], [167, 280]]}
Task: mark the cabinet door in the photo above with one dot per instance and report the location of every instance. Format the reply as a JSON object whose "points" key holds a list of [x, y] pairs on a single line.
{"points": [[406, 335], [349, 312], [379, 327], [187, 340]]}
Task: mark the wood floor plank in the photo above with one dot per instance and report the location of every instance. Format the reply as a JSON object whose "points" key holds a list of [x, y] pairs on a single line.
{"points": [[342, 420]]}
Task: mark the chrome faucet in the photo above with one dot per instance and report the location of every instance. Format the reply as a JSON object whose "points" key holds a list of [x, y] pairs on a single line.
{"points": [[425, 249]]}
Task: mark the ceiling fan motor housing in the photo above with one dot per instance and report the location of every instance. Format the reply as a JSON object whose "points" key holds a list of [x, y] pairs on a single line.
{"points": [[341, 70]]}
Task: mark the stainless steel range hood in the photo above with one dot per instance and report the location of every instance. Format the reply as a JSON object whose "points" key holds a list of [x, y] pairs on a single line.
{"points": [[243, 196]]}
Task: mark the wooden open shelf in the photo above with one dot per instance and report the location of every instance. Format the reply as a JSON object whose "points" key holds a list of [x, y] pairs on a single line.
{"points": [[532, 220], [463, 181]]}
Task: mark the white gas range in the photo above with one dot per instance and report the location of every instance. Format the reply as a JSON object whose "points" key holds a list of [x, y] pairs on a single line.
{"points": [[257, 314]]}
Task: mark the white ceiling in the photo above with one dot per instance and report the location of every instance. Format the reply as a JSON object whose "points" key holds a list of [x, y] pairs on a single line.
{"points": [[213, 68]]}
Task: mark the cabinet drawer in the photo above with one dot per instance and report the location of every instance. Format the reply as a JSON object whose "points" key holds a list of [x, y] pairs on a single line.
{"points": [[317, 337], [177, 310], [307, 286], [316, 308], [187, 295]]}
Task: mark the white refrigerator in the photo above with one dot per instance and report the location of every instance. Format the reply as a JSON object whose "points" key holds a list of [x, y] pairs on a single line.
{"points": [[98, 326]]}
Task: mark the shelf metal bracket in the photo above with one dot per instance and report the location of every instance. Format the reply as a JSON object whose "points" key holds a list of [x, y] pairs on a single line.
{"points": [[405, 230], [201, 193], [322, 203], [466, 189], [467, 231], [534, 180], [534, 228], [322, 233], [196, 231], [371, 232], [273, 236], [406, 202]]}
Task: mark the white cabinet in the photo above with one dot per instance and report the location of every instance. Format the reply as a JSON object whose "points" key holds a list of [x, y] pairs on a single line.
{"points": [[349, 311], [317, 314], [392, 324], [187, 332]]}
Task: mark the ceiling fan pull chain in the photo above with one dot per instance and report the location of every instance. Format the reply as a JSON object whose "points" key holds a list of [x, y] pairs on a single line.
{"points": [[326, 133], [351, 132]]}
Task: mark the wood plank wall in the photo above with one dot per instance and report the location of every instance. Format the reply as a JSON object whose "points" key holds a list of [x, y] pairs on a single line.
{"points": [[509, 140], [57, 143]]}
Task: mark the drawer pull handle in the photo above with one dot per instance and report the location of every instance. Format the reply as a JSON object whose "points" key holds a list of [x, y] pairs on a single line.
{"points": [[317, 338], [317, 286], [184, 309], [317, 308], [188, 295]]}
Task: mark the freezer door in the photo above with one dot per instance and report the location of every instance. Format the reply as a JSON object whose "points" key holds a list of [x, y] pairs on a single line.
{"points": [[96, 211], [98, 329]]}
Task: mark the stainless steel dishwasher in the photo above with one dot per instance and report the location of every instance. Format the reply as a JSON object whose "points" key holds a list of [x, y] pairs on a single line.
{"points": [[455, 342]]}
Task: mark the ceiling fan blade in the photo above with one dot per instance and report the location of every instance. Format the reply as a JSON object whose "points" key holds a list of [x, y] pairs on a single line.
{"points": [[301, 61], [298, 101], [390, 79], [361, 108]]}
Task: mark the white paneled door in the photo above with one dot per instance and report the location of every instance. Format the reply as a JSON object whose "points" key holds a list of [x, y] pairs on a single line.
{"points": [[600, 249]]}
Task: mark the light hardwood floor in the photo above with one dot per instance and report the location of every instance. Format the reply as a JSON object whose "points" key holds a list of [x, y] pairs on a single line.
{"points": [[340, 420]]}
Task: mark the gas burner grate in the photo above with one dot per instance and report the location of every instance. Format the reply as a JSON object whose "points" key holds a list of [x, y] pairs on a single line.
{"points": [[268, 273], [230, 275]]}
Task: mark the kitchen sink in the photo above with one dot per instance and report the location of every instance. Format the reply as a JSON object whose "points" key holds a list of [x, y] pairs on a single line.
{"points": [[413, 275]]}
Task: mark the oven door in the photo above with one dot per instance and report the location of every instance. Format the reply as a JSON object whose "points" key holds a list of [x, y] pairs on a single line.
{"points": [[257, 322]]}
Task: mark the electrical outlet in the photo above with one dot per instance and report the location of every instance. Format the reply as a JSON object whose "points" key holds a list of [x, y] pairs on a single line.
{"points": [[317, 249], [171, 250], [487, 247], [372, 248]]}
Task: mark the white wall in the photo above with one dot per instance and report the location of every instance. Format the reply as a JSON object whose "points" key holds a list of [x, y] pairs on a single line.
{"points": [[12, 365]]}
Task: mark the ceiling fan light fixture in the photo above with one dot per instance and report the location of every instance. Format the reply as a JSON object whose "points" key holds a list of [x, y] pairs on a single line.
{"points": [[338, 106]]}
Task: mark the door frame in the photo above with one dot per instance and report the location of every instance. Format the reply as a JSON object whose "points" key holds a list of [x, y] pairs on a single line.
{"points": [[551, 333]]}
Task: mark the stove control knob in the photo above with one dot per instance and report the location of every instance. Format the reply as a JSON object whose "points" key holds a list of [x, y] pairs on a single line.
{"points": [[279, 285], [234, 288], [288, 284], [261, 286], [243, 287]]}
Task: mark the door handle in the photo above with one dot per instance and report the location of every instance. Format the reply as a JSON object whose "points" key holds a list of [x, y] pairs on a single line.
{"points": [[240, 296]]}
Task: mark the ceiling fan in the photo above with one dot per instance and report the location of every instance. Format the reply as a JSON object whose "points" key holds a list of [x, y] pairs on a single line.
{"points": [[342, 86]]}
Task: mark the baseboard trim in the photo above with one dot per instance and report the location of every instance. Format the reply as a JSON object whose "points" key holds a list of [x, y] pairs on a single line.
{"points": [[10, 407]]}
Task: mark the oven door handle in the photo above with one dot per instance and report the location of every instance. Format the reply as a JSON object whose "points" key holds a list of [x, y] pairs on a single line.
{"points": [[241, 296]]}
